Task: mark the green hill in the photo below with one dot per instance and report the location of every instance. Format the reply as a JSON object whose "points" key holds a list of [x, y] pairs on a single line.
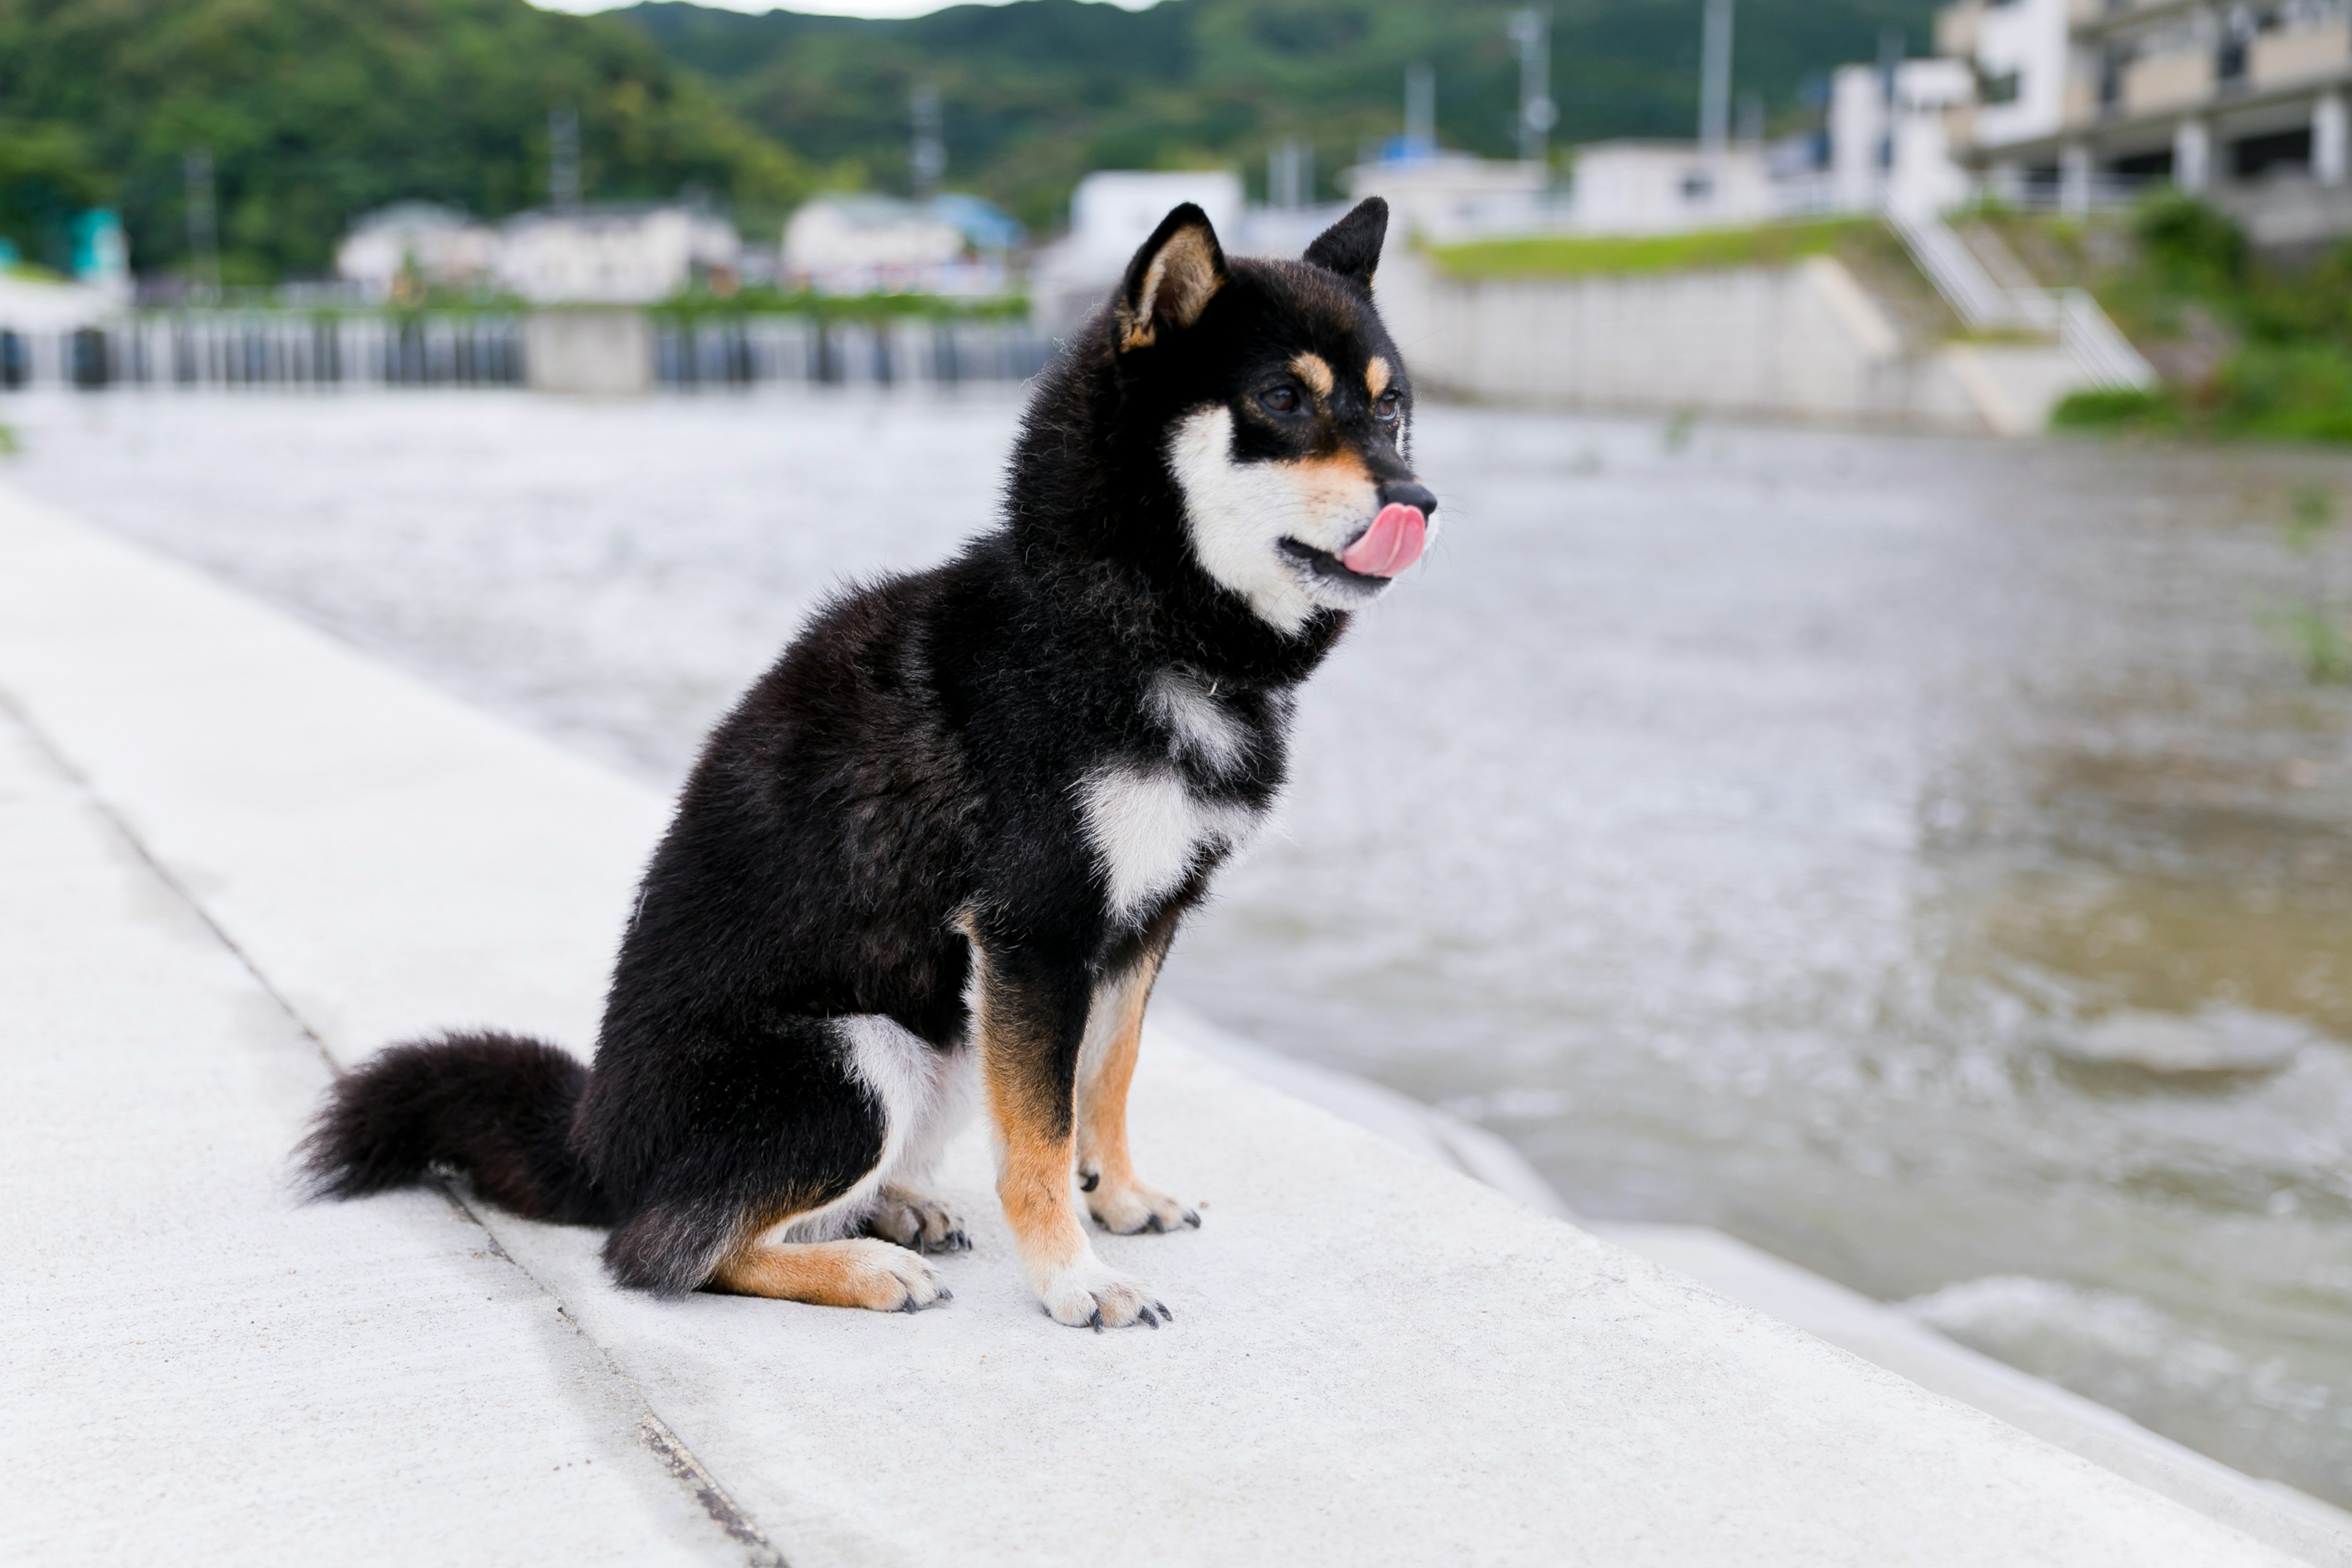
{"points": [[315, 110], [1039, 91]]}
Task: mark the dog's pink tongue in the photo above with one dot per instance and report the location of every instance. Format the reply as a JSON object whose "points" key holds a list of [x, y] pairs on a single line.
{"points": [[1392, 543]]}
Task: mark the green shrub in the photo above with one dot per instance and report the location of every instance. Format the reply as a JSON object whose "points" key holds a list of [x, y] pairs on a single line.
{"points": [[2118, 408], [2294, 392], [2191, 248]]}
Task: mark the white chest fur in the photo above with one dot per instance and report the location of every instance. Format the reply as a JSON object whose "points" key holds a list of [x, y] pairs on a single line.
{"points": [[1148, 829], [1198, 727]]}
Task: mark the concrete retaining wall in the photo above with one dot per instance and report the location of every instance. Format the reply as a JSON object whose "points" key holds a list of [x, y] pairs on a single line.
{"points": [[1799, 343]]}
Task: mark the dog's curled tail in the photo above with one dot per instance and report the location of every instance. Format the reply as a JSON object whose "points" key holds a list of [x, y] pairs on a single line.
{"points": [[496, 1107]]}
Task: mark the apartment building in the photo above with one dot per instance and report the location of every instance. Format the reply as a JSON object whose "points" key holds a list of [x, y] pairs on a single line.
{"points": [[2081, 102]]}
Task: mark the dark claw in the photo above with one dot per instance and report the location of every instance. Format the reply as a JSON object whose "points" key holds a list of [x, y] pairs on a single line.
{"points": [[1154, 1224], [1164, 1312], [1089, 1180], [1097, 1319], [908, 1304], [946, 1294], [1193, 1218], [1149, 1319]]}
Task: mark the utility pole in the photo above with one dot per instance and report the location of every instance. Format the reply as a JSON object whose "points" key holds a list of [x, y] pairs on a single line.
{"points": [[203, 223], [927, 159], [1714, 83], [1531, 31], [1891, 45], [1420, 110], [563, 158], [1290, 174]]}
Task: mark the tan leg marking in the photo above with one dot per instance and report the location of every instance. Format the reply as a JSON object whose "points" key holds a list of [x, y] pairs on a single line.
{"points": [[863, 1272], [1036, 1158], [1119, 1202]]}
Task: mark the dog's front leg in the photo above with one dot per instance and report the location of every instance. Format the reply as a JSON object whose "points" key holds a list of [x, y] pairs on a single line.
{"points": [[1033, 1016], [1115, 1196]]}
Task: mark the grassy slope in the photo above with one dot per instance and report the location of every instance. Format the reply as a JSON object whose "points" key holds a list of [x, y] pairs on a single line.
{"points": [[1562, 255]]}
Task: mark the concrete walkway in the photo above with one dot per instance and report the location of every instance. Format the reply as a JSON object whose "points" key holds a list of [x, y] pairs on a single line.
{"points": [[235, 851]]}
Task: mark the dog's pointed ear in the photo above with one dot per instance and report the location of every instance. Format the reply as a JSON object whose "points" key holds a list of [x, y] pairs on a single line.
{"points": [[1171, 278], [1352, 247]]}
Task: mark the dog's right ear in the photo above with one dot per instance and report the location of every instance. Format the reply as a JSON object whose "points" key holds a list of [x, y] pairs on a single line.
{"points": [[1352, 247], [1171, 278]]}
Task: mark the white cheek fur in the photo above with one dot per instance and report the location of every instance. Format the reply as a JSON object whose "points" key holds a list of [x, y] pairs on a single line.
{"points": [[1238, 514]]}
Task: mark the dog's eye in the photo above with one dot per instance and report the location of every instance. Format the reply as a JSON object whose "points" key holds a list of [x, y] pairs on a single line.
{"points": [[1282, 399], [1386, 408]]}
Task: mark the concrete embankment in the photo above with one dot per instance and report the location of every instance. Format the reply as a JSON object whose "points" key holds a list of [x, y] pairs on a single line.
{"points": [[239, 853], [1807, 342]]}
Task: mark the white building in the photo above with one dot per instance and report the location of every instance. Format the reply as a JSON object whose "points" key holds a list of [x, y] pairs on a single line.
{"points": [[613, 255], [1452, 195], [1112, 213], [1891, 144], [2244, 103], [435, 245], [869, 244], [1661, 187]]}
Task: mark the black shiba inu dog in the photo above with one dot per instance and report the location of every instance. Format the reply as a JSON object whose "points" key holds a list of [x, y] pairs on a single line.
{"points": [[940, 848]]}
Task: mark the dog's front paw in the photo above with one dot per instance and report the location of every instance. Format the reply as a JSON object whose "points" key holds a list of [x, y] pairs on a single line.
{"points": [[1128, 1209], [917, 1220], [1088, 1295]]}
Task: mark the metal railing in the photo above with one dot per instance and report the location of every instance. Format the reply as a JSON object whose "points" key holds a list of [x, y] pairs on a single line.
{"points": [[2102, 355], [298, 350], [2100, 351], [755, 350]]}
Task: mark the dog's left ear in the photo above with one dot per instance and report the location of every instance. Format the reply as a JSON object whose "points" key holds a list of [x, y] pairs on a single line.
{"points": [[1171, 278], [1352, 247]]}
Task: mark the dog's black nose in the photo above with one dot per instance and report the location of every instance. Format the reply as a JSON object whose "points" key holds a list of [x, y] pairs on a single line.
{"points": [[1407, 492]]}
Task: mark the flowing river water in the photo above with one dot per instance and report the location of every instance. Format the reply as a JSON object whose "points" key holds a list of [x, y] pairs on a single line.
{"points": [[1928, 859]]}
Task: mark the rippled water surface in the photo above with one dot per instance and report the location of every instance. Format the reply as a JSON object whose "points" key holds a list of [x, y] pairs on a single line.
{"points": [[1920, 858]]}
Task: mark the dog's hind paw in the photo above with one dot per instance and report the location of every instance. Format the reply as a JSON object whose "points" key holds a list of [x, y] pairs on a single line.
{"points": [[917, 1221], [1087, 1295], [1133, 1208], [887, 1279]]}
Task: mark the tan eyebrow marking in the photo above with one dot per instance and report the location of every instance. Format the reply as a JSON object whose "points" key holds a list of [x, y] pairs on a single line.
{"points": [[1315, 372], [1376, 375]]}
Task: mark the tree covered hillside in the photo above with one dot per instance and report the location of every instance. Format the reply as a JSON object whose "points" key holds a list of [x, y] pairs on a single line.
{"points": [[1037, 92], [315, 110]]}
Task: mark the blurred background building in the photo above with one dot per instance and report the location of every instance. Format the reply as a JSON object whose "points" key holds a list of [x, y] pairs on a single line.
{"points": [[2083, 102]]}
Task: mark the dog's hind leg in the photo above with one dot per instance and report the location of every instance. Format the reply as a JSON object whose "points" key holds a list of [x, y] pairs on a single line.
{"points": [[858, 1272], [1119, 1202], [788, 1166]]}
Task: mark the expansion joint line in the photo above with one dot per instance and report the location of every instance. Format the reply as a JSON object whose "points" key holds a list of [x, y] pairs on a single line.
{"points": [[656, 1435]]}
